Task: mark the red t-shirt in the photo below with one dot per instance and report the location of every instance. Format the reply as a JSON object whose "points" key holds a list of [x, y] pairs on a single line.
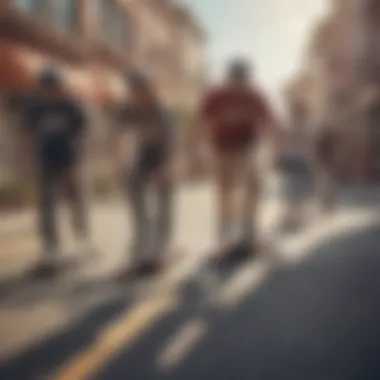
{"points": [[234, 116]]}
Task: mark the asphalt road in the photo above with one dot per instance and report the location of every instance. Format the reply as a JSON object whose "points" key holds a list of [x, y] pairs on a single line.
{"points": [[313, 318], [317, 320]]}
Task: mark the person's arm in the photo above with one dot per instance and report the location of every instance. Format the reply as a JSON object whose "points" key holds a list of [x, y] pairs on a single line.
{"points": [[272, 128], [81, 124], [196, 135], [123, 139], [169, 127]]}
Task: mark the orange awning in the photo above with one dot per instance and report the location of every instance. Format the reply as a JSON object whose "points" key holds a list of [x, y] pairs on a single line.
{"points": [[110, 86], [18, 67]]}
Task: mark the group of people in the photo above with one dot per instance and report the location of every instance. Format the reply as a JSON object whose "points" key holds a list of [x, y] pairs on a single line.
{"points": [[231, 120]]}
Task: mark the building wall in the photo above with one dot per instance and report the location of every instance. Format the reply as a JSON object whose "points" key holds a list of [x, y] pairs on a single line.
{"points": [[192, 69], [369, 82], [344, 59], [92, 55], [154, 40]]}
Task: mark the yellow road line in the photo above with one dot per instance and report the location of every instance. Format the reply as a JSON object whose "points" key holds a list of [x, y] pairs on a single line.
{"points": [[119, 335]]}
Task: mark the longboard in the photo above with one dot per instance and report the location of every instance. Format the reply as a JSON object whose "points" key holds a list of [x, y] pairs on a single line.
{"points": [[213, 274]]}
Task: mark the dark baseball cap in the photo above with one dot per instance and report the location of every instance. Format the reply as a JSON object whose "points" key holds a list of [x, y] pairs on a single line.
{"points": [[239, 68], [49, 77]]}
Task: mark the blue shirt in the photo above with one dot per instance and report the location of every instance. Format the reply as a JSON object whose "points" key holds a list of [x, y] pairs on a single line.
{"points": [[57, 126]]}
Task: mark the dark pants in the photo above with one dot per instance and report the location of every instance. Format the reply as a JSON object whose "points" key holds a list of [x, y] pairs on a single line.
{"points": [[54, 179], [152, 230]]}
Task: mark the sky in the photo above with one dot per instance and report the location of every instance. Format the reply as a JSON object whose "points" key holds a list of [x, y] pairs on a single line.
{"points": [[272, 33]]}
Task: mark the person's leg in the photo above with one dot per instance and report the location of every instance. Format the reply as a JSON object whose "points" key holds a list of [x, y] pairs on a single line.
{"points": [[137, 186], [225, 186], [163, 224], [251, 192], [72, 182], [47, 211]]}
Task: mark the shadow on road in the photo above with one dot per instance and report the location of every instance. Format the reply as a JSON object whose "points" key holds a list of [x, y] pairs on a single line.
{"points": [[317, 320], [42, 358]]}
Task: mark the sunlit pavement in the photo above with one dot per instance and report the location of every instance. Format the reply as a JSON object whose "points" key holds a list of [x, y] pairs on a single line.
{"points": [[310, 313]]}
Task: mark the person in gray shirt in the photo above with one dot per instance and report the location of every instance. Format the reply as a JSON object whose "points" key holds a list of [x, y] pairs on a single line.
{"points": [[152, 130]]}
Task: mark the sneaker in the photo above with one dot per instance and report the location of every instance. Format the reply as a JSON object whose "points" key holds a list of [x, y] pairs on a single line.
{"points": [[152, 267], [47, 269], [139, 270], [243, 250], [223, 256], [129, 273]]}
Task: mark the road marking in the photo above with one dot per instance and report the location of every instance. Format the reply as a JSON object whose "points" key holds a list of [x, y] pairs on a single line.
{"points": [[296, 249], [245, 281], [119, 335], [181, 344]]}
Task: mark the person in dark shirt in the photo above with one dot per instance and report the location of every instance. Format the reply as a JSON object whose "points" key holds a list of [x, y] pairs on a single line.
{"points": [[152, 129], [56, 124]]}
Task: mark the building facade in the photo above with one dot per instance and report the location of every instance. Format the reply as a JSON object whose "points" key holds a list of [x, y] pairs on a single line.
{"points": [[343, 58], [367, 78], [94, 43]]}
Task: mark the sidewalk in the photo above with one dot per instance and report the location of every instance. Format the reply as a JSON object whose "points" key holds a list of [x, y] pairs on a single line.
{"points": [[56, 305], [194, 229], [19, 242], [16, 222]]}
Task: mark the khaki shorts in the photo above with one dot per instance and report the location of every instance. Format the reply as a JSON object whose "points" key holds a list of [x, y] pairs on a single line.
{"points": [[235, 168]]}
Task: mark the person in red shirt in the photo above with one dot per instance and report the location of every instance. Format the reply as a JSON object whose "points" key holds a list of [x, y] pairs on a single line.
{"points": [[231, 119]]}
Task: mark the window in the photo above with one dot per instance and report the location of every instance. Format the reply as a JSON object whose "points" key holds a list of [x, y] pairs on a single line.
{"points": [[115, 23], [30, 5], [66, 13]]}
